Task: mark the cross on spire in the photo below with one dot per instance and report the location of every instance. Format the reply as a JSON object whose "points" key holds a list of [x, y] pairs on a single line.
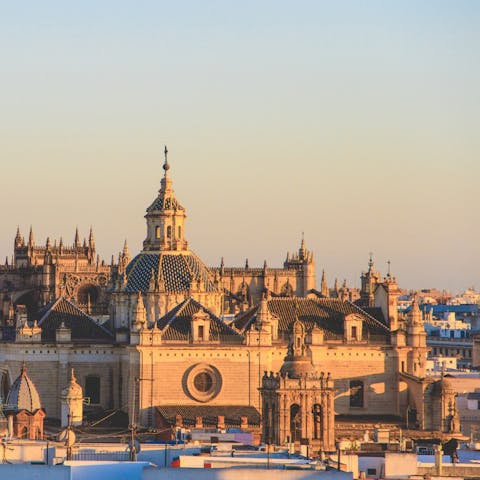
{"points": [[166, 165]]}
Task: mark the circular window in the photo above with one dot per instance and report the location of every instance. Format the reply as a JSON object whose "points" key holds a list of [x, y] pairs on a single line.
{"points": [[202, 382]]}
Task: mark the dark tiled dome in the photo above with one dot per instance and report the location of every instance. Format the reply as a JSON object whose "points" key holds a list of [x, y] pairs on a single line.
{"points": [[173, 272], [23, 394]]}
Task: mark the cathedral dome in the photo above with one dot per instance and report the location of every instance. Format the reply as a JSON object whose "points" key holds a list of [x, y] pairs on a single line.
{"points": [[298, 362], [23, 394], [169, 272], [297, 367]]}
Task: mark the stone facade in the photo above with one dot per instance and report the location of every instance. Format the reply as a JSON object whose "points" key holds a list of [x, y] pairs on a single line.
{"points": [[179, 335]]}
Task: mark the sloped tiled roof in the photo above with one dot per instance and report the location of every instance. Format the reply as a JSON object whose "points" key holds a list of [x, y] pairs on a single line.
{"points": [[375, 312], [210, 414], [326, 313], [176, 324], [82, 326], [179, 272]]}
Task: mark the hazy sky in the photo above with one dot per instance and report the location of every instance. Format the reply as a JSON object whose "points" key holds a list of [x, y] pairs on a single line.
{"points": [[355, 122]]}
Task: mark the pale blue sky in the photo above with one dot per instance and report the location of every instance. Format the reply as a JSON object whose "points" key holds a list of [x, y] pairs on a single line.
{"points": [[356, 122]]}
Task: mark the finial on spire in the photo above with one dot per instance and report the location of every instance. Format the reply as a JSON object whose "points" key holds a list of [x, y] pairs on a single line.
{"points": [[166, 165], [370, 261], [302, 251]]}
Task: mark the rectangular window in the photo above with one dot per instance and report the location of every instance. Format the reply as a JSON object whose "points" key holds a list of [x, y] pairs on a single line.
{"points": [[356, 393], [92, 389], [371, 471], [200, 332], [354, 333]]}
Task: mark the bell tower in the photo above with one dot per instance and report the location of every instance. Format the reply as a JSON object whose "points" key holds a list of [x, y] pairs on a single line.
{"points": [[165, 218]]}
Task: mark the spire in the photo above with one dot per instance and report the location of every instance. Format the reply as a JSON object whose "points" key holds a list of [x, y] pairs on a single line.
{"points": [[166, 165], [30, 238], [166, 182], [139, 314], [47, 243], [165, 218], [76, 242], [370, 263], [125, 251], [91, 240], [246, 264], [335, 288], [324, 286], [415, 314], [18, 238]]}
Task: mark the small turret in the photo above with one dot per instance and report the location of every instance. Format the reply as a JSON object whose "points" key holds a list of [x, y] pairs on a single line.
{"points": [[72, 402], [139, 314]]}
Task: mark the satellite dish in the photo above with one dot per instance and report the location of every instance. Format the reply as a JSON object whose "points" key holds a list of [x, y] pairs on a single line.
{"points": [[67, 437]]}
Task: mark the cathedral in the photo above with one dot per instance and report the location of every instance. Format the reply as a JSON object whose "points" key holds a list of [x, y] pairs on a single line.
{"points": [[176, 344]]}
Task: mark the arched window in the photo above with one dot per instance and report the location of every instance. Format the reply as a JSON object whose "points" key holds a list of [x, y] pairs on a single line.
{"points": [[157, 232], [179, 232], [356, 393], [317, 421], [92, 389], [169, 232], [296, 422], [88, 293]]}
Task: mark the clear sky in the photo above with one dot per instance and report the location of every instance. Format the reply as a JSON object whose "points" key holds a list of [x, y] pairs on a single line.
{"points": [[355, 122]]}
